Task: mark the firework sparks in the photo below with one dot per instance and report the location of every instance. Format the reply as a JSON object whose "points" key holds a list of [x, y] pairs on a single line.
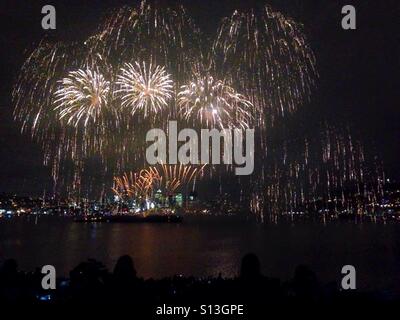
{"points": [[82, 96], [144, 88], [213, 103], [165, 36], [324, 174], [168, 178], [260, 69], [268, 57], [133, 185], [172, 177]]}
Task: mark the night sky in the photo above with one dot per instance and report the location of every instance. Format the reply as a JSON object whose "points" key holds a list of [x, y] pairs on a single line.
{"points": [[358, 69]]}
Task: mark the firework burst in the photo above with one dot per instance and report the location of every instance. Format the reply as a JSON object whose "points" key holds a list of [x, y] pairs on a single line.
{"points": [[259, 69], [166, 36], [168, 178], [172, 177], [133, 184], [65, 147], [83, 96], [143, 88], [213, 103], [267, 56]]}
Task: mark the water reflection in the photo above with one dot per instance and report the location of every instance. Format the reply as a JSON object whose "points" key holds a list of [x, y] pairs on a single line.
{"points": [[209, 248]]}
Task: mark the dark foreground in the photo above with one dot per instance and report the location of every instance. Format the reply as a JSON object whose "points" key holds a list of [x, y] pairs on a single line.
{"points": [[207, 247], [91, 285]]}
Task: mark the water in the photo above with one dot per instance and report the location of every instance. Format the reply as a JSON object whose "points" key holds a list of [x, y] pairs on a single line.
{"points": [[210, 247]]}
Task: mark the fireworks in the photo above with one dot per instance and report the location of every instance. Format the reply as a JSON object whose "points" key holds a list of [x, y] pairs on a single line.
{"points": [[269, 59], [213, 103], [145, 65], [144, 88], [133, 185], [168, 178], [171, 177], [326, 173], [65, 147], [162, 36], [82, 96]]}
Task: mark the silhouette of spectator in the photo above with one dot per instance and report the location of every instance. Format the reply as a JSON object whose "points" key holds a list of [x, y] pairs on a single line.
{"points": [[124, 269], [87, 281], [251, 285], [91, 283], [250, 269], [254, 287], [125, 284]]}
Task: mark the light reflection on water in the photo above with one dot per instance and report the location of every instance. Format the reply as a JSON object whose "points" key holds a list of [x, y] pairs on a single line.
{"points": [[207, 248]]}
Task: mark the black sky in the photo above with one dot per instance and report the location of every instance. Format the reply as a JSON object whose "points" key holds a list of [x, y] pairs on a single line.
{"points": [[359, 69]]}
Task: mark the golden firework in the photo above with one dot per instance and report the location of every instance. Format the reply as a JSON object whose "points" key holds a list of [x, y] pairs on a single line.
{"points": [[144, 88], [82, 97], [213, 103]]}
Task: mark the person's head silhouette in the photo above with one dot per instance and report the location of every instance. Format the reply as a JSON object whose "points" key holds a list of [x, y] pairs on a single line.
{"points": [[125, 268], [250, 268]]}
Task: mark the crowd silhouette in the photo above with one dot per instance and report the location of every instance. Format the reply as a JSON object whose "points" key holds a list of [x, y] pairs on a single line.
{"points": [[91, 283]]}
